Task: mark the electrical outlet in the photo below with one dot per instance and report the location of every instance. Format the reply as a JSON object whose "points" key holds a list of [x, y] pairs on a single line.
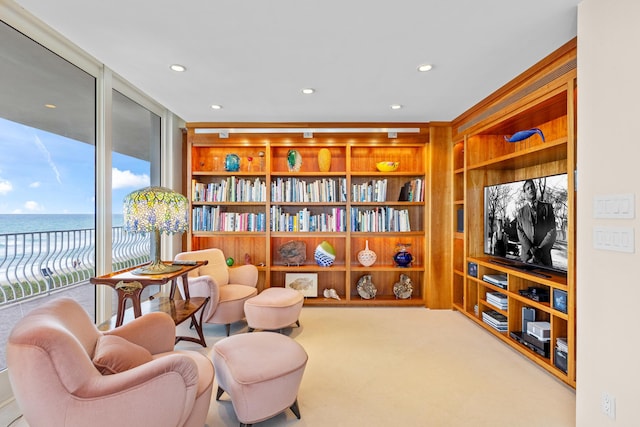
{"points": [[609, 405]]}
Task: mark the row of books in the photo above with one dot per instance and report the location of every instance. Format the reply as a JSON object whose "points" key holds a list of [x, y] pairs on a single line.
{"points": [[380, 219], [230, 189], [496, 320], [213, 218], [497, 299], [298, 190], [412, 191], [372, 191], [304, 220]]}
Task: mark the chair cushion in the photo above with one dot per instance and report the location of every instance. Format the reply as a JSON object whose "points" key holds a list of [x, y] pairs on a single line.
{"points": [[114, 354]]}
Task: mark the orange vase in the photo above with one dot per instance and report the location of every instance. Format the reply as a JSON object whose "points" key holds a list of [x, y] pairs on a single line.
{"points": [[324, 160]]}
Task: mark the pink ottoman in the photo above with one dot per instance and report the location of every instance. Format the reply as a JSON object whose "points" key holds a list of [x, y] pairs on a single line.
{"points": [[261, 372], [273, 309]]}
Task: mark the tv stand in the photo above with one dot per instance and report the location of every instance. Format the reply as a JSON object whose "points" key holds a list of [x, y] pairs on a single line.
{"points": [[529, 268]]}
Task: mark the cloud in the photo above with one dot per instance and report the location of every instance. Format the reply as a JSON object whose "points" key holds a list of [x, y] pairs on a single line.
{"points": [[35, 184], [127, 179], [5, 186], [44, 151], [32, 206]]}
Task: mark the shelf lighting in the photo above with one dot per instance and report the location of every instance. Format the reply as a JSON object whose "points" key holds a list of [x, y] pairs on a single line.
{"points": [[424, 67], [308, 90], [304, 130]]}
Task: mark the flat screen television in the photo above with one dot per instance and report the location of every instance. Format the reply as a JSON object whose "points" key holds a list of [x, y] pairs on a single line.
{"points": [[525, 234]]}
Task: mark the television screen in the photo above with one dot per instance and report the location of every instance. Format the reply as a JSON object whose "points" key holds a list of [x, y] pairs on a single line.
{"points": [[526, 223]]}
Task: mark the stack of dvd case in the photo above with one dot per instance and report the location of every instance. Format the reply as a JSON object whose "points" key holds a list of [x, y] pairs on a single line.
{"points": [[496, 320]]}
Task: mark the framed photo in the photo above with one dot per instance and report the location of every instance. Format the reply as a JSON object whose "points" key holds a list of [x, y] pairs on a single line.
{"points": [[307, 283], [560, 300]]}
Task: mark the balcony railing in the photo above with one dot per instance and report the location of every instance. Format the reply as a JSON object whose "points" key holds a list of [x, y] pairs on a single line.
{"points": [[36, 263]]}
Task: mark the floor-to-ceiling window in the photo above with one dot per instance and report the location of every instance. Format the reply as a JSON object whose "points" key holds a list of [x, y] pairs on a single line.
{"points": [[54, 143]]}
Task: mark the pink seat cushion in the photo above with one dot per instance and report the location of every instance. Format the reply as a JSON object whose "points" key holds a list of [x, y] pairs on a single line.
{"points": [[273, 308], [260, 356]]}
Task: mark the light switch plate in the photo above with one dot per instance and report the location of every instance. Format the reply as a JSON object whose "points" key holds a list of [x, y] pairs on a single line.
{"points": [[614, 206], [618, 239]]}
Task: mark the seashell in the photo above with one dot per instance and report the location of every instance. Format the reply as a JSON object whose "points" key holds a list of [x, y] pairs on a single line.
{"points": [[331, 293], [524, 134]]}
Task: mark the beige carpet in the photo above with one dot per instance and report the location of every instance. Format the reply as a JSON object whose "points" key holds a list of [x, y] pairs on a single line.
{"points": [[407, 367]]}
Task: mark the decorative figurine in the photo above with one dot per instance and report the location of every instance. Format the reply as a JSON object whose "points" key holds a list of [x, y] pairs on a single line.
{"points": [[524, 134]]}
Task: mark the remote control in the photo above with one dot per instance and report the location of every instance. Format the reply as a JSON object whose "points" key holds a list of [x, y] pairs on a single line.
{"points": [[184, 262]]}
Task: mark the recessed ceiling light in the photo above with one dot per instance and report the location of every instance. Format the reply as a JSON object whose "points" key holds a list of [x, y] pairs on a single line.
{"points": [[216, 107], [179, 68], [308, 90], [396, 106], [52, 106], [425, 67]]}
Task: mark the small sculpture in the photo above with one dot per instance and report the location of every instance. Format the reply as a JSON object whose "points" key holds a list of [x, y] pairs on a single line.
{"points": [[324, 160], [524, 134], [403, 288], [403, 257], [324, 254], [294, 161], [367, 257], [232, 163], [366, 288], [293, 252]]}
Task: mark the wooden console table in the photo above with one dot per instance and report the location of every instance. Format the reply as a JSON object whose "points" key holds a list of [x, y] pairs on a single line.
{"points": [[130, 286]]}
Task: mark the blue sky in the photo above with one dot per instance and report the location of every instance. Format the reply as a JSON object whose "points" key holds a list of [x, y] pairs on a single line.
{"points": [[44, 173]]}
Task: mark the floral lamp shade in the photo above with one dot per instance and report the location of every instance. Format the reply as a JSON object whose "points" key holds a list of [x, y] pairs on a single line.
{"points": [[155, 210]]}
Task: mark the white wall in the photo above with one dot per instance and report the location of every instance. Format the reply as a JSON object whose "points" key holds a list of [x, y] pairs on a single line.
{"points": [[608, 283]]}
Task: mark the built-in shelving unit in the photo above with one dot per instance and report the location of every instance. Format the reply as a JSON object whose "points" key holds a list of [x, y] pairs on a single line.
{"points": [[250, 213], [543, 98]]}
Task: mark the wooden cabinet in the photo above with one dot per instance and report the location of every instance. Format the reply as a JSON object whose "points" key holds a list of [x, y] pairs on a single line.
{"points": [[250, 213], [542, 98]]}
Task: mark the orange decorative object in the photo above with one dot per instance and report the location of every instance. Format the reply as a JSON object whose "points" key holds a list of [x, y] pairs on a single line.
{"points": [[324, 160]]}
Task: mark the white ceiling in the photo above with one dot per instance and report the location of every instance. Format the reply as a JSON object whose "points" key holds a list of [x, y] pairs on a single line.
{"points": [[254, 56]]}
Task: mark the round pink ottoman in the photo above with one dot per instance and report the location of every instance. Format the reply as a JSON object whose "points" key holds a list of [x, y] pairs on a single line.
{"points": [[273, 309], [261, 372]]}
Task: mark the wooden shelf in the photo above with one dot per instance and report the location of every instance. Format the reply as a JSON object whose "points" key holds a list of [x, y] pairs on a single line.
{"points": [[353, 163], [482, 157]]}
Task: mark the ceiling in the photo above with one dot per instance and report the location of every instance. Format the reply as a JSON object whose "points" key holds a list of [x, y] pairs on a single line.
{"points": [[253, 57]]}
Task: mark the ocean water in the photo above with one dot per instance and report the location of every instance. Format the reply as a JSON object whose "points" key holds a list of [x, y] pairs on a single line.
{"points": [[27, 223]]}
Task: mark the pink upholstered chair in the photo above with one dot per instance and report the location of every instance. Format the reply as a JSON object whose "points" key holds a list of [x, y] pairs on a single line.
{"points": [[65, 372], [228, 287]]}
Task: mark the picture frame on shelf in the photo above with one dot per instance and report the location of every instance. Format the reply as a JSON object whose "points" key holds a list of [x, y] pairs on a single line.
{"points": [[306, 283]]}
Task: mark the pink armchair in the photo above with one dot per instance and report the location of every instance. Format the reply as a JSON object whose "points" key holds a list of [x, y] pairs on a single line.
{"points": [[55, 356], [228, 287]]}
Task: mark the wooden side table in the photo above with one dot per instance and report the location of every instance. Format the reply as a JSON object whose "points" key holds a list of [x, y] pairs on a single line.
{"points": [[130, 286]]}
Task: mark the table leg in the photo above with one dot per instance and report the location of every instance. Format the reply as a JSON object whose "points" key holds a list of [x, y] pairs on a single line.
{"points": [[197, 323]]}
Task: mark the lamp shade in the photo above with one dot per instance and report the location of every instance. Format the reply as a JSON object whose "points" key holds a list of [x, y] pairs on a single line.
{"points": [[155, 210]]}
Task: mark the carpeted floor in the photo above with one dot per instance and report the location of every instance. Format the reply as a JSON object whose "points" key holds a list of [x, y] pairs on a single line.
{"points": [[407, 367]]}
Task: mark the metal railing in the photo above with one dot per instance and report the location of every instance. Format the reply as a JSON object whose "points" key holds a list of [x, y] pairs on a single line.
{"points": [[36, 263]]}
